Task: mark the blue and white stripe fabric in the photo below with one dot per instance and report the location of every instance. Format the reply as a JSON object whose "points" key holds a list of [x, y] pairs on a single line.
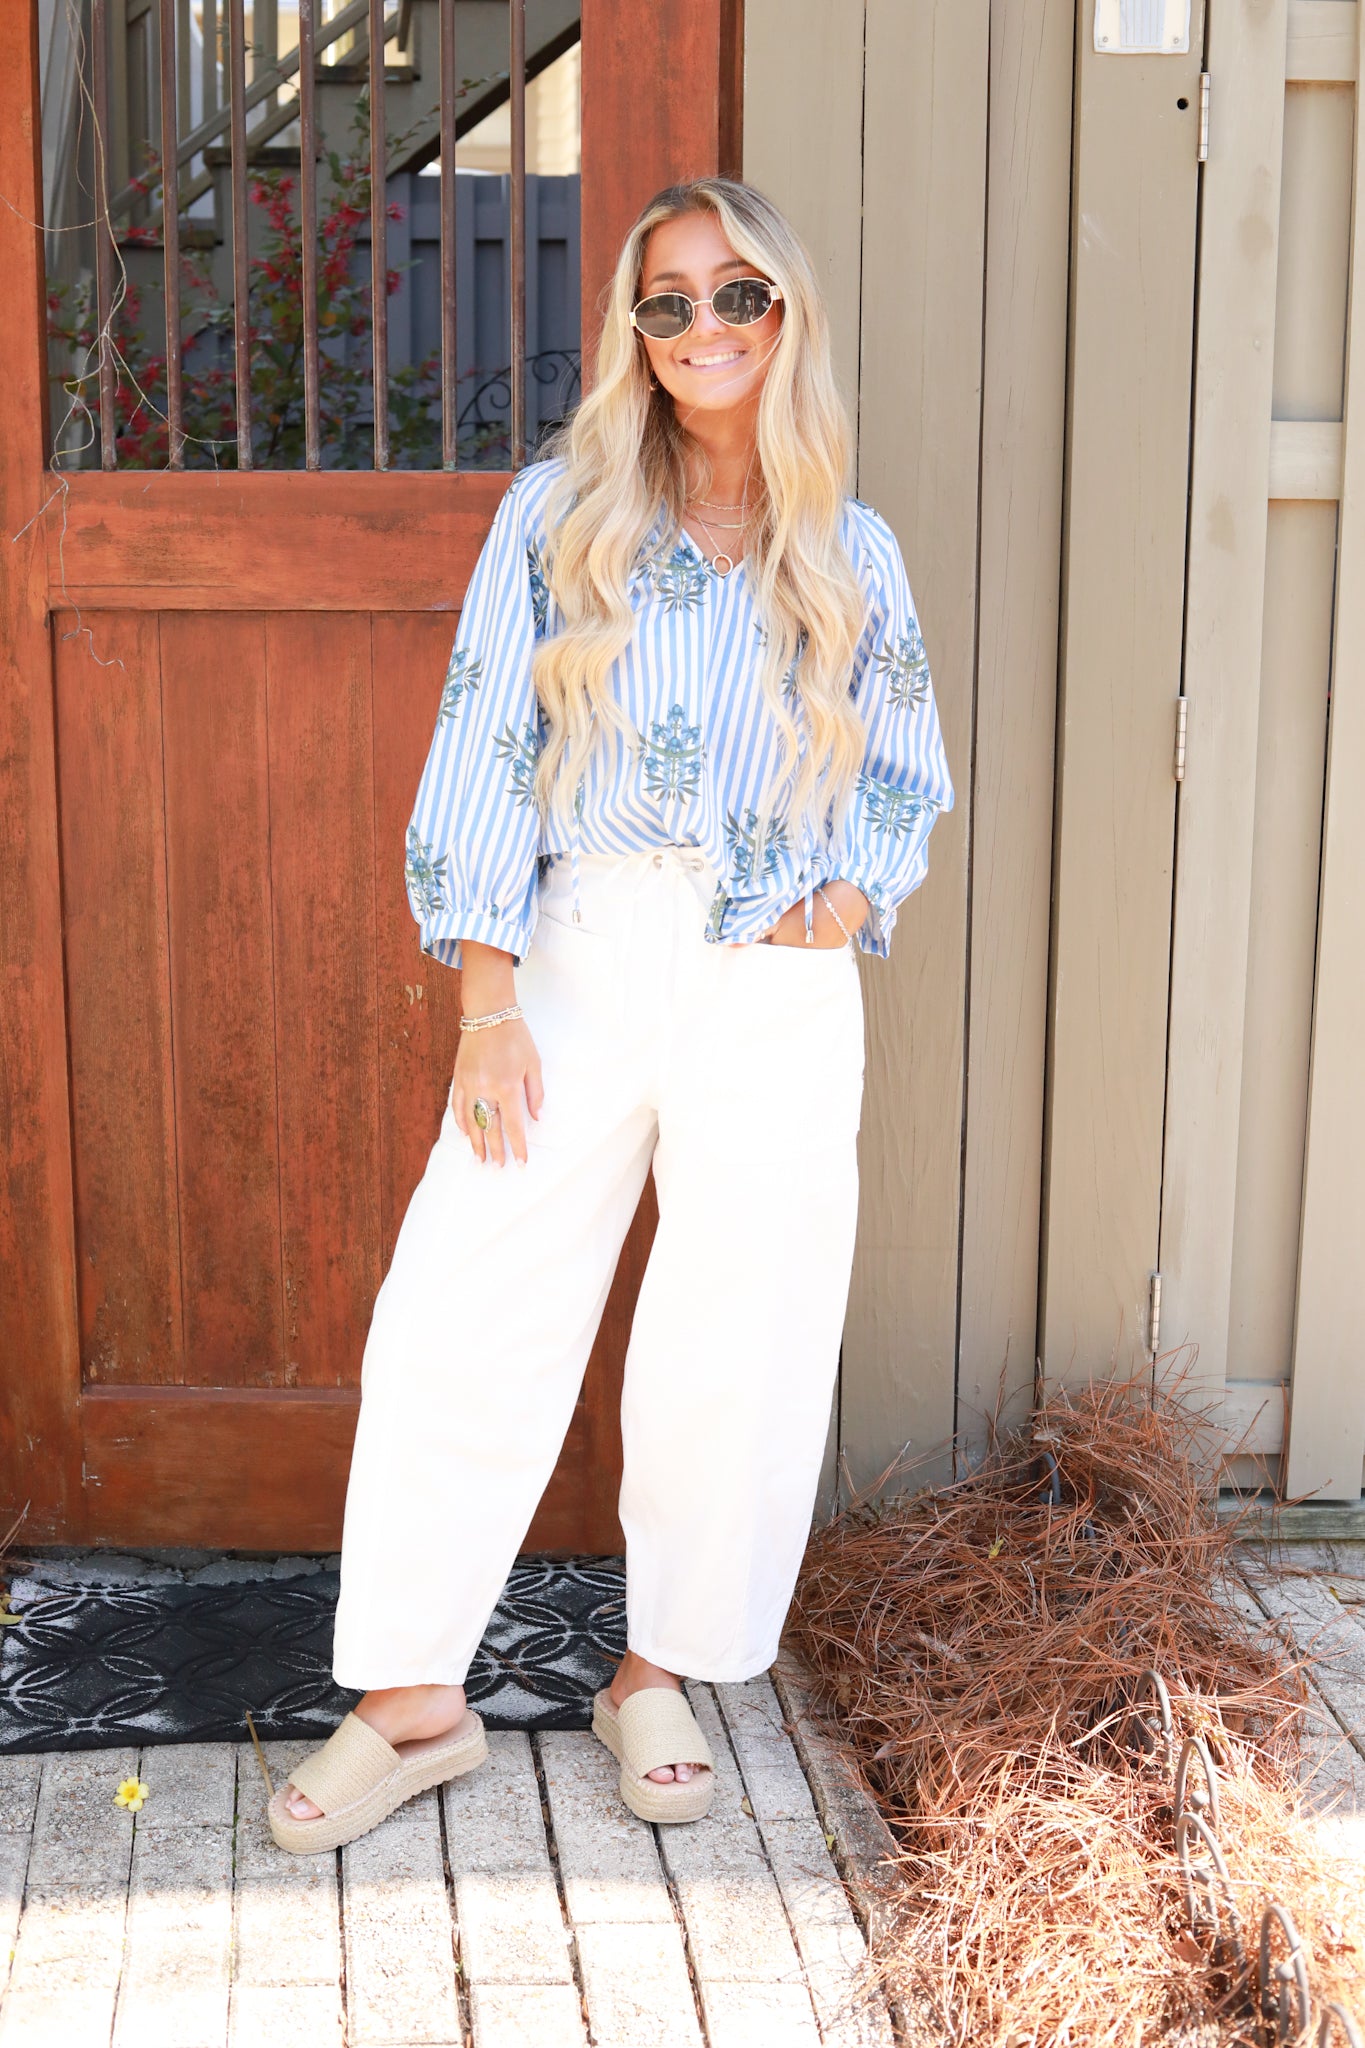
{"points": [[706, 750]]}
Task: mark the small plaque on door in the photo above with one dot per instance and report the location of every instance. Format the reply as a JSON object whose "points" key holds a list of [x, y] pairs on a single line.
{"points": [[1127, 27]]}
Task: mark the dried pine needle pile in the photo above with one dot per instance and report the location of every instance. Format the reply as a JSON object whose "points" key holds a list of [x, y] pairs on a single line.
{"points": [[978, 1645]]}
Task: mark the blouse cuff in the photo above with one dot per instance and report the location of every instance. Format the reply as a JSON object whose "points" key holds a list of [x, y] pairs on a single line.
{"points": [[742, 919], [874, 933], [443, 936]]}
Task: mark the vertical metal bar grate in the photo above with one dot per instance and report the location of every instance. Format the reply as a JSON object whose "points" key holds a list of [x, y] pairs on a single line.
{"points": [[308, 235], [104, 247], [449, 377], [241, 261], [182, 62], [170, 231], [517, 226], [209, 56], [379, 239]]}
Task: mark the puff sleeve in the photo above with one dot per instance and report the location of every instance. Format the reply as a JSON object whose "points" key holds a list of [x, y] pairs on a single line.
{"points": [[881, 846], [474, 834]]}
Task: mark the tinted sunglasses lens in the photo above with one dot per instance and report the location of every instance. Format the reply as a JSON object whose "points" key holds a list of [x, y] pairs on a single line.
{"points": [[664, 316], [741, 303]]}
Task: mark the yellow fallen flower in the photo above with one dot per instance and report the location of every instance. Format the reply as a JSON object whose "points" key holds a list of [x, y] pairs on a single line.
{"points": [[131, 1793]]}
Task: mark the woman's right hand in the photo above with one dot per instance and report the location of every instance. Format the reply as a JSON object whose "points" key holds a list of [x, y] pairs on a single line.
{"points": [[503, 1066]]}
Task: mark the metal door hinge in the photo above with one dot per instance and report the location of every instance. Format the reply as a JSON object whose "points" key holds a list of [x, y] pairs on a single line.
{"points": [[1205, 88], [1182, 708], [1154, 1313]]}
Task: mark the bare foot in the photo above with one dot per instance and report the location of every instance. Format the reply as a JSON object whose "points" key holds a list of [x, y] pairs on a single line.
{"points": [[403, 1715], [636, 1674]]}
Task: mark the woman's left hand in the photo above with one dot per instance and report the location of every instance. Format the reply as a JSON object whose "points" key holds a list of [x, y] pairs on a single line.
{"points": [[790, 929]]}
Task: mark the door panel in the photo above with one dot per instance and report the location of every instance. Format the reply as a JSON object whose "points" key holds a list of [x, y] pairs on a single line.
{"points": [[258, 1052], [113, 868], [322, 864], [215, 748], [417, 1001]]}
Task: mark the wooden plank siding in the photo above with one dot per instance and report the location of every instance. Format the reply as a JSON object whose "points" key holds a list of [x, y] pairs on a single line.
{"points": [[803, 70], [1132, 290], [947, 132], [1023, 435], [927, 71], [803, 126]]}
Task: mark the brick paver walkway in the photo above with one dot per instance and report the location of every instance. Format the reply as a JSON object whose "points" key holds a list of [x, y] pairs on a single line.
{"points": [[522, 1908]]}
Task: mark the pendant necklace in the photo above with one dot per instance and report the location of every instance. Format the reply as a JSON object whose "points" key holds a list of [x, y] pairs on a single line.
{"points": [[725, 525], [720, 556]]}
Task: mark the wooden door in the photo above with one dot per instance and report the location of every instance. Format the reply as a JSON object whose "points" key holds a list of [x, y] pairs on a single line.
{"points": [[224, 1058], [1265, 1142]]}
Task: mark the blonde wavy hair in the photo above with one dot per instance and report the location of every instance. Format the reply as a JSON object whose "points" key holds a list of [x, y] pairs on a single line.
{"points": [[625, 456]]}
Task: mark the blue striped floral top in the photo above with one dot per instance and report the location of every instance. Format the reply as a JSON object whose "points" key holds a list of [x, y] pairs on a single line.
{"points": [[706, 752]]}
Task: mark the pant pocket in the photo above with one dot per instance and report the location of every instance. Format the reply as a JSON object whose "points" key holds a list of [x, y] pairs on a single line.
{"points": [[571, 989], [782, 1071]]}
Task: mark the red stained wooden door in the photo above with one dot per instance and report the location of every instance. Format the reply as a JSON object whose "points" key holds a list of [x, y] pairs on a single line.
{"points": [[223, 1058]]}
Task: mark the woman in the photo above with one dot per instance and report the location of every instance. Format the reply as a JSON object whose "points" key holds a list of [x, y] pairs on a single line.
{"points": [[687, 758]]}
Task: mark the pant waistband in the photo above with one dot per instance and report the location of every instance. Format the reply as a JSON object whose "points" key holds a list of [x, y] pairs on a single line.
{"points": [[570, 880]]}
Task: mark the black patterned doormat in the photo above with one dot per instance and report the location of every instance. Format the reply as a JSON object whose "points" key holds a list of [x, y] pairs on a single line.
{"points": [[100, 1666]]}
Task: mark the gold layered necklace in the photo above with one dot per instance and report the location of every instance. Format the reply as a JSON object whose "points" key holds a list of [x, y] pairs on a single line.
{"points": [[721, 561]]}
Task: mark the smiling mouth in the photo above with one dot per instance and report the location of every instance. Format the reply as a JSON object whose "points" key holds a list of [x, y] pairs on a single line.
{"points": [[716, 360]]}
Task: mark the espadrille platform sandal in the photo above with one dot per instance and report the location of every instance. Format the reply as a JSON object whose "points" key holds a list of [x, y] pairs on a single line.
{"points": [[357, 1779], [649, 1730]]}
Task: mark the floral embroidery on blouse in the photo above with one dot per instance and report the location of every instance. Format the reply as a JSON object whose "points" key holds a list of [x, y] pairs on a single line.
{"points": [[673, 756], [740, 844], [905, 665], [463, 675], [425, 876], [521, 751], [681, 580], [540, 588], [889, 809]]}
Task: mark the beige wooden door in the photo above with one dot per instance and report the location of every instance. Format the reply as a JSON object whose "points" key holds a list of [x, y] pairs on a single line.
{"points": [[1264, 1182]]}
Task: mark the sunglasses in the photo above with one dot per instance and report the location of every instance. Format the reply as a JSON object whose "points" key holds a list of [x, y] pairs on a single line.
{"points": [[663, 316]]}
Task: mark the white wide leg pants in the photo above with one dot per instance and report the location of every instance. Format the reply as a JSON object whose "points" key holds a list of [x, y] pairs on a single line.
{"points": [[738, 1072]]}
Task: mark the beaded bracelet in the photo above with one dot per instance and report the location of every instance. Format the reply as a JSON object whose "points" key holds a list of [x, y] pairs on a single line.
{"points": [[835, 915], [508, 1016]]}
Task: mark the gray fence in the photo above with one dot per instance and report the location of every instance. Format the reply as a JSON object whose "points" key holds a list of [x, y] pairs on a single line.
{"points": [[482, 270]]}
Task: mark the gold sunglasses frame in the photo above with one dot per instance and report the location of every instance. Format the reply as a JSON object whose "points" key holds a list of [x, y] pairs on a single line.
{"points": [[697, 304]]}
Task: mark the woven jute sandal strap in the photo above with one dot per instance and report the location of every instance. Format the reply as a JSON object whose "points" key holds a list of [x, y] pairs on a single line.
{"points": [[659, 1728], [352, 1761]]}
